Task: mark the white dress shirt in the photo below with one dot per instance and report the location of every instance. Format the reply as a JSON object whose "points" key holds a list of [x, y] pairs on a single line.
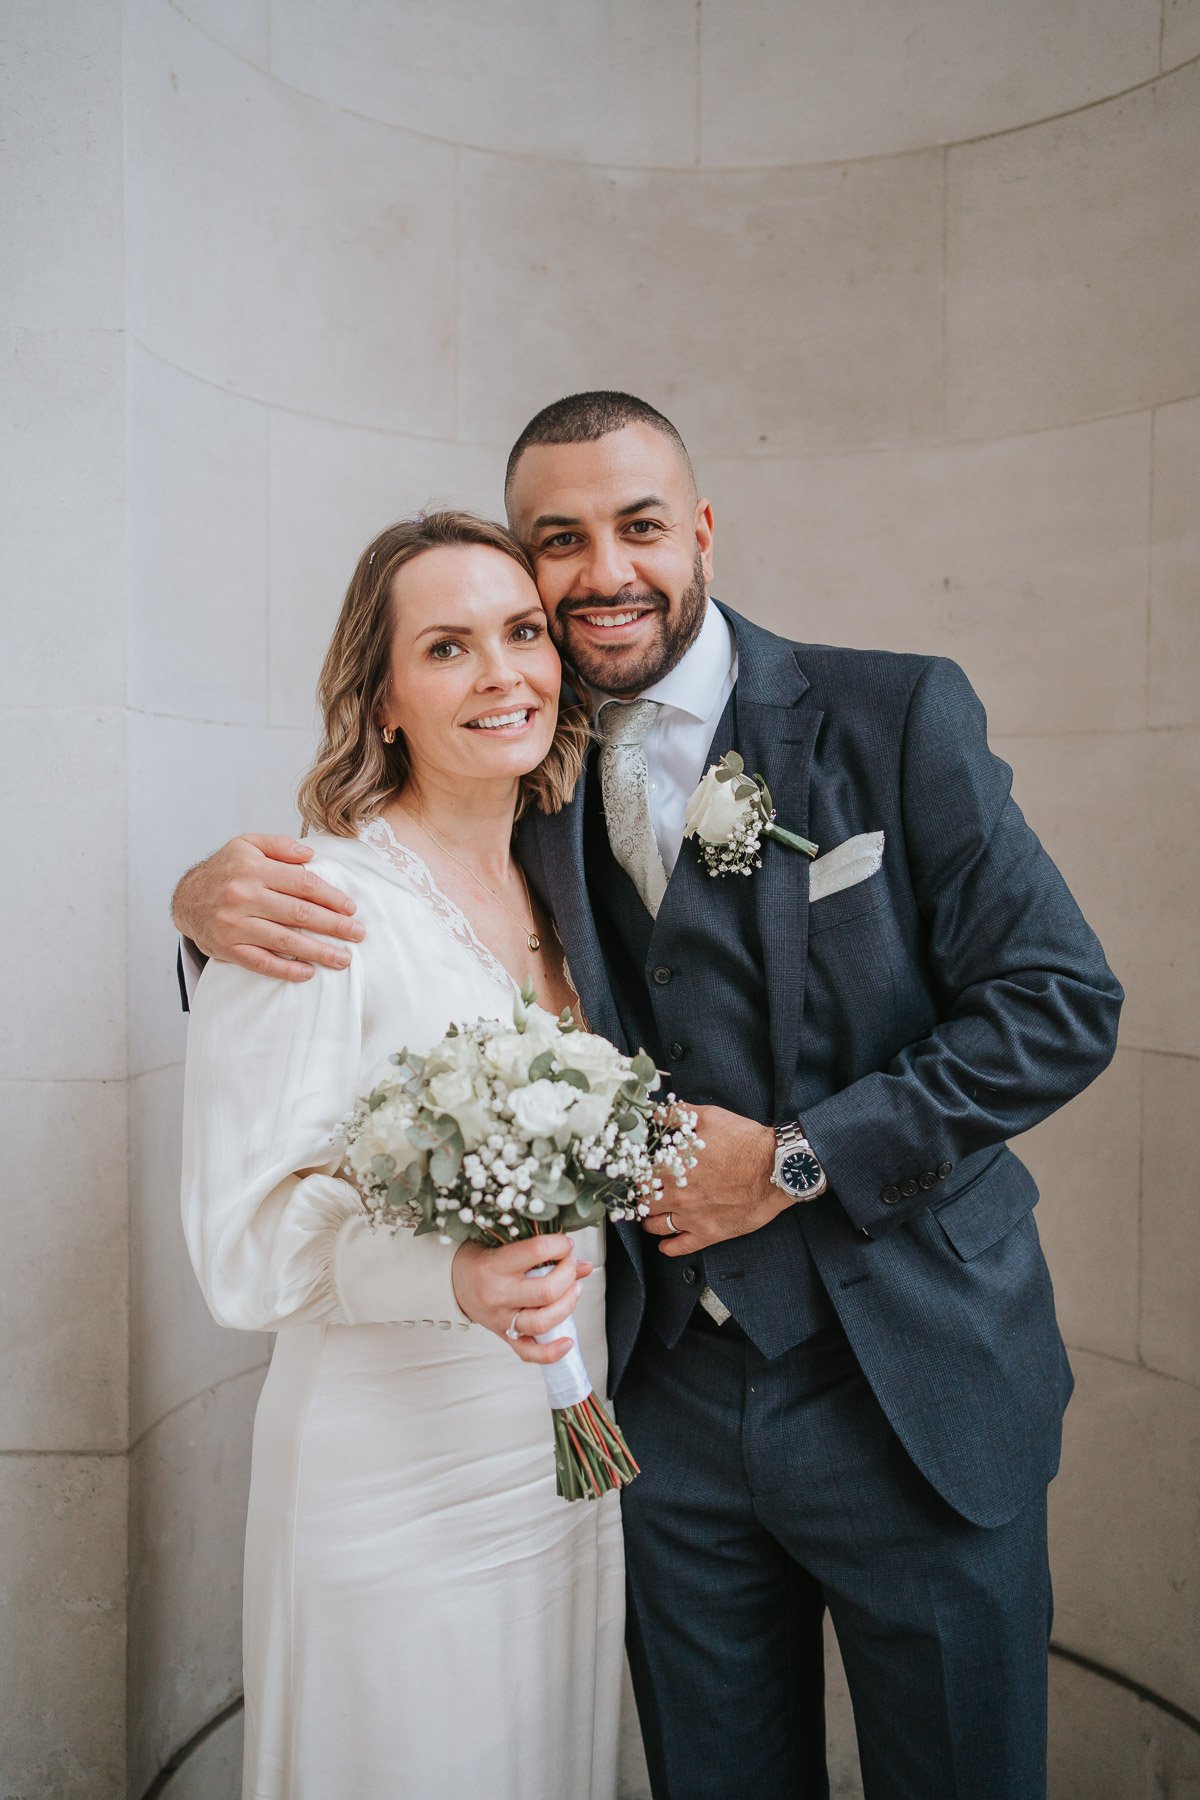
{"points": [[692, 698]]}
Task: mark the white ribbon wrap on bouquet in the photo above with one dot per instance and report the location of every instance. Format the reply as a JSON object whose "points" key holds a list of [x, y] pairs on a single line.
{"points": [[567, 1381]]}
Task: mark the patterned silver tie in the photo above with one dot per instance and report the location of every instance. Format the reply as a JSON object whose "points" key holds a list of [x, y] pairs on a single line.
{"points": [[624, 784]]}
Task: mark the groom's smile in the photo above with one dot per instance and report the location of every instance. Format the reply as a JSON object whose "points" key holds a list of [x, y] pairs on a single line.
{"points": [[622, 547]]}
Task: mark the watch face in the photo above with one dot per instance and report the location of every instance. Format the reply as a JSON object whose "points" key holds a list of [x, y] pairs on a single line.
{"points": [[800, 1171]]}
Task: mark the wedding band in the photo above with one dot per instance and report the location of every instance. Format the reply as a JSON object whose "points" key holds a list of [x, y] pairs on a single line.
{"points": [[671, 1226], [512, 1333]]}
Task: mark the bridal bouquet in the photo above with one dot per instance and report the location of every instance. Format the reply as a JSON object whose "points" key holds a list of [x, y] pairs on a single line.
{"points": [[504, 1132]]}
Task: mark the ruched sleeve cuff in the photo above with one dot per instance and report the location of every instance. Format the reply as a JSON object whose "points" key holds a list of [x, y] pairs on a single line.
{"points": [[386, 1276]]}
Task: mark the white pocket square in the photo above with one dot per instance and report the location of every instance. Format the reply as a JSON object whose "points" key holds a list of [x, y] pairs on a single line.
{"points": [[845, 865]]}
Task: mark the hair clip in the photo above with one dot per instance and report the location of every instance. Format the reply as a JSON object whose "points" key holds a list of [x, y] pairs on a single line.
{"points": [[370, 559]]}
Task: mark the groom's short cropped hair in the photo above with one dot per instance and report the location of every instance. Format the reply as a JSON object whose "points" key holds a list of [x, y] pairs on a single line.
{"points": [[582, 418]]}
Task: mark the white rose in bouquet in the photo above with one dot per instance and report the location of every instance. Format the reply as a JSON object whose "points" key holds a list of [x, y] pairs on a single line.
{"points": [[383, 1138], [594, 1057], [509, 1053], [714, 810], [462, 1095], [543, 1110]]}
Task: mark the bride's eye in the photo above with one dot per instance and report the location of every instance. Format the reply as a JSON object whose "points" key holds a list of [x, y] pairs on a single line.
{"points": [[445, 651], [529, 632]]}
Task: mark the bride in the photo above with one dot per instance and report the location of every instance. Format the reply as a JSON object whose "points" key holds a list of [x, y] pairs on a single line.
{"points": [[423, 1617]]}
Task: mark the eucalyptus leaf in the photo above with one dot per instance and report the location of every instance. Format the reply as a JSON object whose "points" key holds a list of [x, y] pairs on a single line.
{"points": [[542, 1066], [575, 1078], [732, 760]]}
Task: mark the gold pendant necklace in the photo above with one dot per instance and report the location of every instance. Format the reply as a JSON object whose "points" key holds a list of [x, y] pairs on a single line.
{"points": [[531, 936]]}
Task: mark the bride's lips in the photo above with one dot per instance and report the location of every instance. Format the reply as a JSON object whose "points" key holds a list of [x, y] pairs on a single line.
{"points": [[503, 722]]}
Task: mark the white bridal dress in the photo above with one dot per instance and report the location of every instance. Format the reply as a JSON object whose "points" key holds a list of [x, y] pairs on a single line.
{"points": [[424, 1618]]}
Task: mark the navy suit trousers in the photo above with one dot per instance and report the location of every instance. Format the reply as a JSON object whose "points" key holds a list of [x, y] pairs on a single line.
{"points": [[770, 1491]]}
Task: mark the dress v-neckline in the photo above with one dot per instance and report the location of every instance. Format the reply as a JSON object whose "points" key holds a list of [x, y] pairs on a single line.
{"points": [[418, 876]]}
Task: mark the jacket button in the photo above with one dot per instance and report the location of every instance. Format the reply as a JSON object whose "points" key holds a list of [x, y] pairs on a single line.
{"points": [[943, 1169], [662, 975], [689, 1275], [890, 1196], [909, 1188], [675, 1051], [927, 1179]]}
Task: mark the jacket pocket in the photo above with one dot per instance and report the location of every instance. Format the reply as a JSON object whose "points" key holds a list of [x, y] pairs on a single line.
{"points": [[987, 1208], [848, 903]]}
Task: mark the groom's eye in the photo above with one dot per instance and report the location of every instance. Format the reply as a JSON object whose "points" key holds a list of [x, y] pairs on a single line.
{"points": [[643, 527], [562, 540]]}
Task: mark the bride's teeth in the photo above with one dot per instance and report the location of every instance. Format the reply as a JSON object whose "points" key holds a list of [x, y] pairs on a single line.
{"points": [[501, 719]]}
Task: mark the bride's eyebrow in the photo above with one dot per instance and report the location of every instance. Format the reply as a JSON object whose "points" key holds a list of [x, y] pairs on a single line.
{"points": [[526, 612]]}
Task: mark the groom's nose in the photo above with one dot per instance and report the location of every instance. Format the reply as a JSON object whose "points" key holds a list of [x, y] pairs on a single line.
{"points": [[605, 567]]}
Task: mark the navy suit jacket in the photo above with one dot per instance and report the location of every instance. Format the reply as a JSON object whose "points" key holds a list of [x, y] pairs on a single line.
{"points": [[915, 1022]]}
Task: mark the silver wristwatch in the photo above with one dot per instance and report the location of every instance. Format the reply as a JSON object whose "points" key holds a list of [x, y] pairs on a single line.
{"points": [[797, 1170]]}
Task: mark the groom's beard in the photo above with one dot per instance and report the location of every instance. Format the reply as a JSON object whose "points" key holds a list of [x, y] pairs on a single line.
{"points": [[669, 635]]}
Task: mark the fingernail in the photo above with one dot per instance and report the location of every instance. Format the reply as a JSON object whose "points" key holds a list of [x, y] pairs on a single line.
{"points": [[340, 959], [357, 931]]}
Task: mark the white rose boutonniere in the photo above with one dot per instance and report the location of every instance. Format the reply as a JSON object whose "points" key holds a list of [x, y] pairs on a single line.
{"points": [[730, 814]]}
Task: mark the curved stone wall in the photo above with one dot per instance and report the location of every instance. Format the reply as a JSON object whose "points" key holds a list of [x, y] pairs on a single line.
{"points": [[917, 282]]}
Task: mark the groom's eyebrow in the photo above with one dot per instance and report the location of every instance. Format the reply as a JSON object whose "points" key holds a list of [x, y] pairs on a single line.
{"points": [[649, 501], [468, 630]]}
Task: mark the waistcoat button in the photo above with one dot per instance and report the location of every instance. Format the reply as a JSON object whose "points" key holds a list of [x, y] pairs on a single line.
{"points": [[890, 1196], [689, 1275], [662, 975], [674, 1051]]}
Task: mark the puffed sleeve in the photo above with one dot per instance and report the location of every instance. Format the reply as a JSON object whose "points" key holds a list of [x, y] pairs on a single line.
{"points": [[276, 1237]]}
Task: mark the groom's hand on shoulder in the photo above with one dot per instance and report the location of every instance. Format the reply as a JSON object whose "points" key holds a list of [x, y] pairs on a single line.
{"points": [[728, 1193], [254, 902]]}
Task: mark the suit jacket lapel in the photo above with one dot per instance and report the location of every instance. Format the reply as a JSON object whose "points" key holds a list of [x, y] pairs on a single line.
{"points": [[551, 850], [777, 726]]}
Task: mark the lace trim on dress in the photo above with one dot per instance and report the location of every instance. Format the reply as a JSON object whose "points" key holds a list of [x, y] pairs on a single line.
{"points": [[417, 876]]}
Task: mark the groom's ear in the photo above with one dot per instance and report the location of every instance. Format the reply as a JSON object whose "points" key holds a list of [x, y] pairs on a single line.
{"points": [[704, 537]]}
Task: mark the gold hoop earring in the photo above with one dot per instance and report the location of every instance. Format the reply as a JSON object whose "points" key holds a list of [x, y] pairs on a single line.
{"points": [[388, 735]]}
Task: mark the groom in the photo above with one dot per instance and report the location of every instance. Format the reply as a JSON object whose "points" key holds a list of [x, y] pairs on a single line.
{"points": [[835, 1349]]}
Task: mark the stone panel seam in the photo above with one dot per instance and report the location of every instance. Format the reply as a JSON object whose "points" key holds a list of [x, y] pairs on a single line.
{"points": [[890, 447], [1136, 1368], [1141, 1204], [1178, 1713], [1162, 32], [575, 162], [698, 126], [1150, 560], [176, 1760], [202, 1394]]}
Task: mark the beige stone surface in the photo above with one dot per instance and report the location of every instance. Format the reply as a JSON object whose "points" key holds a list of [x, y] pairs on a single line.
{"points": [[280, 246], [242, 25], [1174, 649], [1024, 560], [197, 547], [62, 791], [176, 1347], [821, 330], [841, 1744], [192, 786], [187, 1504], [62, 1627], [62, 423], [1086, 1161], [1072, 283], [1170, 1334], [64, 1316], [214, 1770], [1181, 31], [1115, 811], [333, 488], [60, 189], [574, 80], [1125, 1533], [1100, 1738], [785, 83]]}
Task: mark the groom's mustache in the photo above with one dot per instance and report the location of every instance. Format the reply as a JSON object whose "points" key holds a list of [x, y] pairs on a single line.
{"points": [[647, 601]]}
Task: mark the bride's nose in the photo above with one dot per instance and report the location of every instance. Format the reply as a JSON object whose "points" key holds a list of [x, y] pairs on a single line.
{"points": [[497, 671]]}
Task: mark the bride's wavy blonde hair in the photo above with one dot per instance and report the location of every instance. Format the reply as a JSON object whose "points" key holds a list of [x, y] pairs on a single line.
{"points": [[355, 773]]}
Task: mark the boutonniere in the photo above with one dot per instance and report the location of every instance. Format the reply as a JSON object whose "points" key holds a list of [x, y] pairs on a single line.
{"points": [[730, 814]]}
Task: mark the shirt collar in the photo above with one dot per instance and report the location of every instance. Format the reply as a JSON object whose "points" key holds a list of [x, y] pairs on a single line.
{"points": [[699, 678]]}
